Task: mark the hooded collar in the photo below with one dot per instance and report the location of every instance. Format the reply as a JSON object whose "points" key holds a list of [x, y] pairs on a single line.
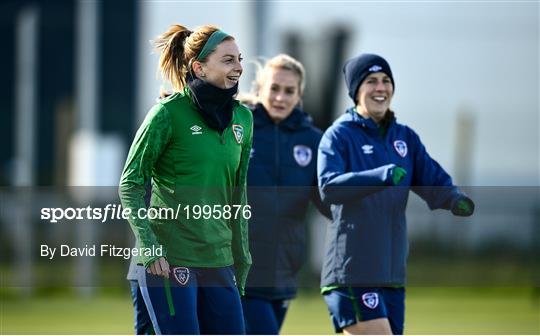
{"points": [[298, 119], [352, 116]]}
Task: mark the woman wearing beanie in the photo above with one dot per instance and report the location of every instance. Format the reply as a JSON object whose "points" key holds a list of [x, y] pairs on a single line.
{"points": [[367, 164], [282, 180], [194, 146]]}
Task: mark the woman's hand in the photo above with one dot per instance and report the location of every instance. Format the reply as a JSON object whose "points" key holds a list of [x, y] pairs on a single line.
{"points": [[463, 207], [159, 267]]}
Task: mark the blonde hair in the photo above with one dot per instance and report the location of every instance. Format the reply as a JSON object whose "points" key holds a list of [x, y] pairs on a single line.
{"points": [[179, 47], [281, 61]]}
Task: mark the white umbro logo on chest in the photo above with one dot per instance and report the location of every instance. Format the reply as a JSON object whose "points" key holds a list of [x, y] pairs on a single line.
{"points": [[196, 129], [368, 149]]}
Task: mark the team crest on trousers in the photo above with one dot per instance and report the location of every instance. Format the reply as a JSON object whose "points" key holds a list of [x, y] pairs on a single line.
{"points": [[181, 274], [370, 300], [238, 132], [400, 147], [302, 155]]}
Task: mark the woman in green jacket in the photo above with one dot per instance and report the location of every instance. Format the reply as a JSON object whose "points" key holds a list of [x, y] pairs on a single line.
{"points": [[194, 146]]}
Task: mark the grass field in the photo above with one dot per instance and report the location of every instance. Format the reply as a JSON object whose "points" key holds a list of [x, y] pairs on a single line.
{"points": [[429, 311]]}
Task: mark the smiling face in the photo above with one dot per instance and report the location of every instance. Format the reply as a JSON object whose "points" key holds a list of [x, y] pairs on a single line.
{"points": [[374, 96], [222, 67], [279, 93]]}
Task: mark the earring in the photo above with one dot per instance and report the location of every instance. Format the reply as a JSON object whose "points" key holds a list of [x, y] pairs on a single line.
{"points": [[203, 75]]}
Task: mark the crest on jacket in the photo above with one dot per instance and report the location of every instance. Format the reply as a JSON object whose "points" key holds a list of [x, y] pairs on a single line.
{"points": [[370, 300], [400, 147], [181, 274], [302, 155], [238, 132]]}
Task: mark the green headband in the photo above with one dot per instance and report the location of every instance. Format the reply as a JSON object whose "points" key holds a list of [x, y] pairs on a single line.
{"points": [[212, 43]]}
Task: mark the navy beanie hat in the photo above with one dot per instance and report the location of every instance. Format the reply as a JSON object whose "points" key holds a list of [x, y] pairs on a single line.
{"points": [[358, 68]]}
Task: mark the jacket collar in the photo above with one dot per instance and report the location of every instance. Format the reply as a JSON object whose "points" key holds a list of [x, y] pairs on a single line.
{"points": [[352, 116], [214, 104], [298, 119]]}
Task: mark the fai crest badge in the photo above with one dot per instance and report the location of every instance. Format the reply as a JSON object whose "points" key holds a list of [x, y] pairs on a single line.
{"points": [[302, 155], [238, 132], [401, 147], [370, 300], [181, 274]]}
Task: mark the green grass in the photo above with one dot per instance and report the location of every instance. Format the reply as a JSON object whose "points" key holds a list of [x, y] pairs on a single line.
{"points": [[66, 315], [473, 311], [439, 311], [429, 311]]}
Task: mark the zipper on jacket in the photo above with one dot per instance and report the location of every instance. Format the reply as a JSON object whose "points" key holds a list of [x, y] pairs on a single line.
{"points": [[388, 156], [276, 152], [393, 201], [276, 192], [222, 137]]}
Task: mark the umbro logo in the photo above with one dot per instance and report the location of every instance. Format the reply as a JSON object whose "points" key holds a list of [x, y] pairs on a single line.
{"points": [[196, 129], [368, 149], [375, 68]]}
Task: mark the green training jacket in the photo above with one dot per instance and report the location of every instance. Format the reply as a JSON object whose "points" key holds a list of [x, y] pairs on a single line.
{"points": [[190, 166]]}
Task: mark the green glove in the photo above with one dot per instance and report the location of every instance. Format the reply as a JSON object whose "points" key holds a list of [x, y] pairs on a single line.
{"points": [[463, 207], [241, 273], [398, 174]]}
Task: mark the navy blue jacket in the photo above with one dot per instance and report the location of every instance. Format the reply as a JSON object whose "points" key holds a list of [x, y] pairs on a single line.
{"points": [[366, 244], [282, 180]]}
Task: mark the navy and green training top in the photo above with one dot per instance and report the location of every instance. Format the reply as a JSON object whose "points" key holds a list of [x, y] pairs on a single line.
{"points": [[190, 164]]}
